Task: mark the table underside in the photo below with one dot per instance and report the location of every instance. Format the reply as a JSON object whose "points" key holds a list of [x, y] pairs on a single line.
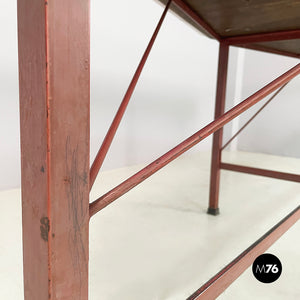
{"points": [[241, 18]]}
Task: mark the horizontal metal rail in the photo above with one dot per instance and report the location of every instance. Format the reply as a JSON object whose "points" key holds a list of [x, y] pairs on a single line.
{"points": [[118, 117], [261, 172], [222, 280], [263, 37], [134, 180], [259, 47], [249, 121]]}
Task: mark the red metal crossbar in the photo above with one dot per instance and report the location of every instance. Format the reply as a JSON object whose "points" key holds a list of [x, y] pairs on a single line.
{"points": [[263, 37], [251, 41], [258, 47], [118, 117], [253, 117], [220, 282], [134, 180], [261, 172]]}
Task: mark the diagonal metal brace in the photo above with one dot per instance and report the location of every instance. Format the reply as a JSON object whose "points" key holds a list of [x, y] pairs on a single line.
{"points": [[118, 117], [248, 122], [200, 135]]}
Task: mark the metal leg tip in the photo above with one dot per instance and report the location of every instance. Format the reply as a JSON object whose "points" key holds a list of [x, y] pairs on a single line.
{"points": [[213, 211]]}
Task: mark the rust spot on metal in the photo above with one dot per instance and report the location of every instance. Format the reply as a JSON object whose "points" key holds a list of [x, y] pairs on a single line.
{"points": [[45, 227], [67, 180], [85, 178]]}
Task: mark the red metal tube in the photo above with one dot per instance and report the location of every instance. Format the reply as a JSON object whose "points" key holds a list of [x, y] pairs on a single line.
{"points": [[222, 280], [263, 37], [259, 47], [249, 121], [118, 117], [191, 141], [261, 172], [216, 155]]}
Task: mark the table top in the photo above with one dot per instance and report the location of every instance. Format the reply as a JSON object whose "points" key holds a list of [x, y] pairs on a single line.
{"points": [[273, 24]]}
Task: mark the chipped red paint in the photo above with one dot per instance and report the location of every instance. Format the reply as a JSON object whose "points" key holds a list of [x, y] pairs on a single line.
{"points": [[54, 117]]}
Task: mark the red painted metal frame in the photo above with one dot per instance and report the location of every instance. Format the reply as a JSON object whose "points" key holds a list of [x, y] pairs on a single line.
{"points": [[119, 115], [253, 117], [261, 172], [213, 207], [54, 113], [263, 37], [221, 281], [54, 73], [184, 7], [262, 48], [134, 180], [251, 41], [245, 41]]}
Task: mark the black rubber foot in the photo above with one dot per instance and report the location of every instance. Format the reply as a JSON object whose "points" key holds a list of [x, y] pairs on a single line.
{"points": [[213, 211]]}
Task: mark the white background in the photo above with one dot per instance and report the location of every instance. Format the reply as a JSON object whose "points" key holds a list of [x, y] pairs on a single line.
{"points": [[174, 97]]}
